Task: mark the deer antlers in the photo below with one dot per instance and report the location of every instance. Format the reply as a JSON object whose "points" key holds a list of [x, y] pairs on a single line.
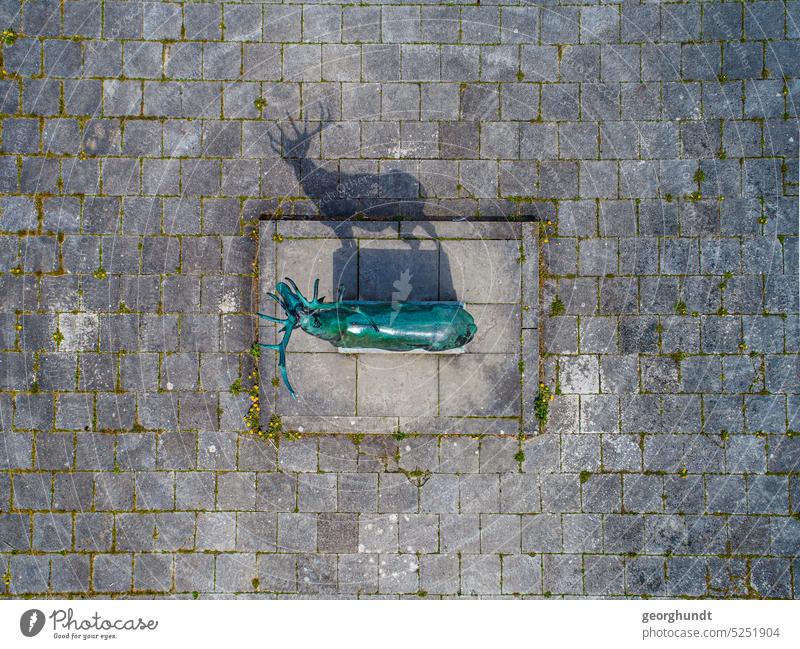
{"points": [[301, 139]]}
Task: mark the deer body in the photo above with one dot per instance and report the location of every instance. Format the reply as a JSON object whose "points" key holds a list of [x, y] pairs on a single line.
{"points": [[388, 326], [396, 327]]}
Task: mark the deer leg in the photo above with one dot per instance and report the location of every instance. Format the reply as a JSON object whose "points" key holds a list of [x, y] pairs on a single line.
{"points": [[372, 323]]}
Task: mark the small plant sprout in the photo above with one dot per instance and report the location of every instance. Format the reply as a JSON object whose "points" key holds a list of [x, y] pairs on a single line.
{"points": [[557, 307], [541, 404]]}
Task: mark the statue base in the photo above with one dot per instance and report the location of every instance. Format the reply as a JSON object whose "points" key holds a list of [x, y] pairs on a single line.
{"points": [[368, 350], [485, 387]]}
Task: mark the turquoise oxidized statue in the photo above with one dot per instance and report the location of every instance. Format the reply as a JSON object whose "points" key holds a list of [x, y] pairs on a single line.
{"points": [[387, 326]]}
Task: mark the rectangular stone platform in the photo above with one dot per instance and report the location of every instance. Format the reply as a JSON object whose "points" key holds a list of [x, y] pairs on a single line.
{"points": [[487, 388]]}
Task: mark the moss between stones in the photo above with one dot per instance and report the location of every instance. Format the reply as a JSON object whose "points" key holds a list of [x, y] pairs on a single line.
{"points": [[541, 405], [557, 307]]}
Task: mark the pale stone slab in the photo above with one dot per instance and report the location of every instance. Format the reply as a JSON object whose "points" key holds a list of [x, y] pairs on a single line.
{"points": [[498, 328], [530, 379], [333, 424], [460, 425], [349, 229], [400, 385], [266, 265], [475, 385], [325, 385], [268, 393], [483, 271], [460, 230], [530, 275]]}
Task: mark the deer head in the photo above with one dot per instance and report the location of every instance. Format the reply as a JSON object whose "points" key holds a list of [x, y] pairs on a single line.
{"points": [[296, 146]]}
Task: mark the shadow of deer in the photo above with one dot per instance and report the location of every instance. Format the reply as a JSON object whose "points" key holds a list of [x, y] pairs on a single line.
{"points": [[394, 194], [362, 198]]}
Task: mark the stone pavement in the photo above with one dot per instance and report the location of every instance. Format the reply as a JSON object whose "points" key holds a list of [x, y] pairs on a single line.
{"points": [[138, 148]]}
